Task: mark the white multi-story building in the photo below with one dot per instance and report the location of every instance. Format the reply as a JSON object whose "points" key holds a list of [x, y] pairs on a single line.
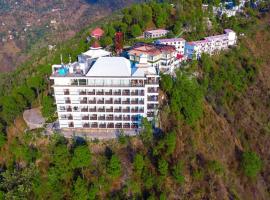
{"points": [[105, 92], [211, 45], [162, 57], [158, 33], [178, 43]]}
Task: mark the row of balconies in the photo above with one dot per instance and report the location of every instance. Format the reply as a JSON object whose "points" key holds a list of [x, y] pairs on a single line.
{"points": [[117, 93], [108, 125], [103, 109], [110, 101], [102, 118]]}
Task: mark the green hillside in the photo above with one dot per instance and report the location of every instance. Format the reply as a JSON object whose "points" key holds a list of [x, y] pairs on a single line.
{"points": [[213, 141]]}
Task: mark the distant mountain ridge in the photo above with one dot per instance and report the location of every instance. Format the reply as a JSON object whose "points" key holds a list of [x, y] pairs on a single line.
{"points": [[25, 23]]}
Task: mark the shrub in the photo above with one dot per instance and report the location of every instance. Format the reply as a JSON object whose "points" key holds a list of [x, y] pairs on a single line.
{"points": [[114, 167], [215, 167], [251, 164], [163, 167], [178, 173], [138, 163]]}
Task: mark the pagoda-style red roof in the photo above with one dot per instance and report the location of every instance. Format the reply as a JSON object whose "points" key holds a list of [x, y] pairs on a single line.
{"points": [[97, 33]]}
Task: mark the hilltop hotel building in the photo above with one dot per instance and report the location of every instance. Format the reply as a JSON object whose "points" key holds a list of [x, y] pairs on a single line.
{"points": [[100, 91]]}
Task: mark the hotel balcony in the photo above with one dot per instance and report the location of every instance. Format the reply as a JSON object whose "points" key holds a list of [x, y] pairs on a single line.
{"points": [[118, 118], [70, 117], [118, 125], [71, 125], [100, 93], [102, 125], [117, 92], [92, 109], [82, 93], [134, 125], [126, 118], [83, 101], [66, 92], [126, 125], [109, 118], [125, 93], [84, 110], [117, 101], [94, 125], [152, 106], [126, 102], [94, 101], [134, 93], [68, 101], [108, 93], [101, 110], [93, 117], [86, 125], [101, 118], [109, 101], [91, 92], [152, 90], [85, 118], [134, 102], [100, 102], [69, 109], [136, 110], [152, 98], [110, 125], [150, 114], [126, 110], [109, 110], [117, 110]]}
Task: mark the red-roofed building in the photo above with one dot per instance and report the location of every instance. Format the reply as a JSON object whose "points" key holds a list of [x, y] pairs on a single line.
{"points": [[160, 56], [97, 33]]}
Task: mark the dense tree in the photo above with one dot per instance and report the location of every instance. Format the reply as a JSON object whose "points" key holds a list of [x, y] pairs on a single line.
{"points": [[136, 30], [170, 141], [163, 167], [147, 132], [80, 191], [9, 110], [36, 82], [138, 163], [251, 164], [18, 184], [26, 92], [106, 41], [48, 108], [114, 167], [166, 83], [81, 157], [187, 98], [178, 172]]}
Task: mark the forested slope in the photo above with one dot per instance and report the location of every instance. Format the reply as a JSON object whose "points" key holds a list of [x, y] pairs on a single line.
{"points": [[213, 141]]}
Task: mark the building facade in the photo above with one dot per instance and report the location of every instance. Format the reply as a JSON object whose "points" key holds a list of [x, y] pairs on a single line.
{"points": [[178, 43], [105, 93], [155, 33], [211, 45], [162, 57]]}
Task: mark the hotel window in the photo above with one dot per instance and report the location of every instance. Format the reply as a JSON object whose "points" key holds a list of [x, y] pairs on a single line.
{"points": [[82, 82]]}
